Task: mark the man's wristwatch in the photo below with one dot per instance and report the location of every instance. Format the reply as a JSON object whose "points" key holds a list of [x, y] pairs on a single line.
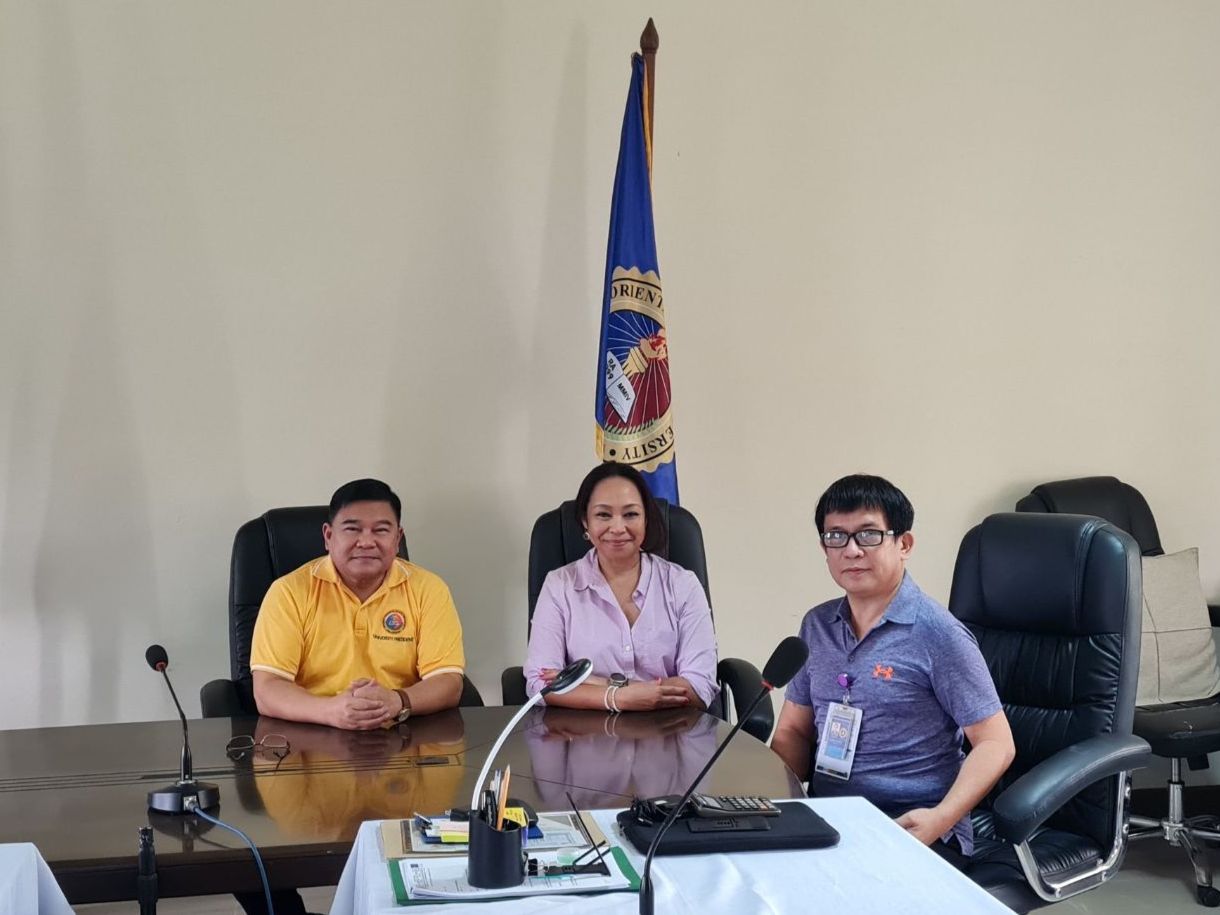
{"points": [[406, 706], [618, 680]]}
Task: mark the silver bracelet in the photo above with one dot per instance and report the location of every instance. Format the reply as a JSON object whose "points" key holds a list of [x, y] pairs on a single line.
{"points": [[606, 698], [611, 697]]}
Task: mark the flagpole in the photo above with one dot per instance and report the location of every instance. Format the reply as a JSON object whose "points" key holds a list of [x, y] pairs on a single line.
{"points": [[632, 399], [649, 42]]}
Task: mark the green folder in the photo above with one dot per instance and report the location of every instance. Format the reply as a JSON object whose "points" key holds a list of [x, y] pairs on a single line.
{"points": [[620, 858]]}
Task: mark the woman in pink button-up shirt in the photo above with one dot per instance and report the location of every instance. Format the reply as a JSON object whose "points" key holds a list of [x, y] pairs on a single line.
{"points": [[636, 615]]}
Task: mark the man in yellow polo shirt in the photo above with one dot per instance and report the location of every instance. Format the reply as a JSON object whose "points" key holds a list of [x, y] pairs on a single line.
{"points": [[360, 637]]}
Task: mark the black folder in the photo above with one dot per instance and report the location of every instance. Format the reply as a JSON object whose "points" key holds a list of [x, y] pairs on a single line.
{"points": [[796, 827]]}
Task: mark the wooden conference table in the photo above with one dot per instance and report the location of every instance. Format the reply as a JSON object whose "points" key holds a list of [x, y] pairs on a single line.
{"points": [[79, 793]]}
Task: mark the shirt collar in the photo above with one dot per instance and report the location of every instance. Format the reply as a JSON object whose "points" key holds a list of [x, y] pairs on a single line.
{"points": [[588, 574], [325, 570], [902, 609]]}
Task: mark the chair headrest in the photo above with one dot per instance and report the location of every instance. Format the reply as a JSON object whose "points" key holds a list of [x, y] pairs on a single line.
{"points": [[1051, 573], [294, 536], [1106, 497], [574, 543]]}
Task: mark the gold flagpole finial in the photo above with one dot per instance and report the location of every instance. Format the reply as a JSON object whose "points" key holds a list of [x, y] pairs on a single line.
{"points": [[649, 42]]}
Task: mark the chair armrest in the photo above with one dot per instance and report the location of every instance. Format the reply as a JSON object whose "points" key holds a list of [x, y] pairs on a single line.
{"points": [[1213, 610], [744, 681], [220, 699], [470, 698], [1029, 801], [512, 686]]}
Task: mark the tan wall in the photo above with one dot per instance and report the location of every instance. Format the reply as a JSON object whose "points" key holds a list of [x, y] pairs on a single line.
{"points": [[249, 251]]}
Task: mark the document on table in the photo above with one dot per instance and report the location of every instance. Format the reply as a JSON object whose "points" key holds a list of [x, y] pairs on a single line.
{"points": [[445, 878]]}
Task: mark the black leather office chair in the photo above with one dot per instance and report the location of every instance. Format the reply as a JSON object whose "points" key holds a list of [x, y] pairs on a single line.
{"points": [[557, 539], [265, 549], [1054, 602], [1178, 731]]}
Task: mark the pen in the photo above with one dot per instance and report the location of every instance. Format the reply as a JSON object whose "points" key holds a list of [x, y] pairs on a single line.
{"points": [[489, 807], [508, 774]]}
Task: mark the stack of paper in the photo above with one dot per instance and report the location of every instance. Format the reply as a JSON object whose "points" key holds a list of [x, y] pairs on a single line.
{"points": [[416, 879]]}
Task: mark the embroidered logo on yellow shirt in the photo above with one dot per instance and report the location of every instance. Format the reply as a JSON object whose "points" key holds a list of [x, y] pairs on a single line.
{"points": [[394, 622]]}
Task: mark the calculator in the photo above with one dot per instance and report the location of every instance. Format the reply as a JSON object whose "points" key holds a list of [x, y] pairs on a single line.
{"points": [[708, 805]]}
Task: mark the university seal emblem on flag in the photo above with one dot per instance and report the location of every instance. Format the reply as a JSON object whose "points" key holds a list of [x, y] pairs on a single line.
{"points": [[636, 423]]}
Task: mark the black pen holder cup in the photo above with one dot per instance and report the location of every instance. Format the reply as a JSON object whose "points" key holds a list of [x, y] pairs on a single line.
{"points": [[497, 856]]}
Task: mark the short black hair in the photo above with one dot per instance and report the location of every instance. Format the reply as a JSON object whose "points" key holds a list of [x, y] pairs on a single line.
{"points": [[656, 536], [860, 490], [363, 491]]}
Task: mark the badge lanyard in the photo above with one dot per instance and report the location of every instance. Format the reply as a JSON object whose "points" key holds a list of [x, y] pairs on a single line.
{"points": [[837, 746]]}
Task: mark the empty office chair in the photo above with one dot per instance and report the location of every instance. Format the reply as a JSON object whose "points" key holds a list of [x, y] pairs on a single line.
{"points": [[1054, 601], [1180, 731], [557, 539], [265, 549]]}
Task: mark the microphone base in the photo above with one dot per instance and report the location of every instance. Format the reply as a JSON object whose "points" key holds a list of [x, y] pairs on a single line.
{"points": [[175, 798]]}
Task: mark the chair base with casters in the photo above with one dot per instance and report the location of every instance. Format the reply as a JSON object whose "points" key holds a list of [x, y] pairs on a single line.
{"points": [[1185, 833], [1183, 731]]}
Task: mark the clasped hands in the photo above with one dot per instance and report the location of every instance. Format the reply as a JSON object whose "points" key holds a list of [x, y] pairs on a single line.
{"points": [[365, 705], [642, 695]]}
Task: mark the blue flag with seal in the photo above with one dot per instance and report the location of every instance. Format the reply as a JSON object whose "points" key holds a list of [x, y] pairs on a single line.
{"points": [[634, 423]]}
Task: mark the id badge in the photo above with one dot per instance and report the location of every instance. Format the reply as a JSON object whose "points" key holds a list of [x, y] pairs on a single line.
{"points": [[837, 746]]}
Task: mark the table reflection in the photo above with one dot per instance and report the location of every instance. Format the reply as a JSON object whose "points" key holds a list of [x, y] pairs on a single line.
{"points": [[637, 753], [331, 780]]}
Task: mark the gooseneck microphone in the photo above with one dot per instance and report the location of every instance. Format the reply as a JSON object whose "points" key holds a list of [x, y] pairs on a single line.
{"points": [[784, 664], [186, 794], [158, 660]]}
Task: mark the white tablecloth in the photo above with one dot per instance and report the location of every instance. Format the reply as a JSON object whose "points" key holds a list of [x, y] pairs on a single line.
{"points": [[26, 884], [876, 867]]}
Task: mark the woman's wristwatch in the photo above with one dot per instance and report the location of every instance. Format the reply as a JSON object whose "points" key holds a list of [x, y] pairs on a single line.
{"points": [[405, 713]]}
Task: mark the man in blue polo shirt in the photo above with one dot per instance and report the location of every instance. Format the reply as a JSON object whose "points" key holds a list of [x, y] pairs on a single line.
{"points": [[892, 682]]}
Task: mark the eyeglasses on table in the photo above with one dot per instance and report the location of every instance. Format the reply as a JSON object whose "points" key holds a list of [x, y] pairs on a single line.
{"points": [[276, 745]]}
